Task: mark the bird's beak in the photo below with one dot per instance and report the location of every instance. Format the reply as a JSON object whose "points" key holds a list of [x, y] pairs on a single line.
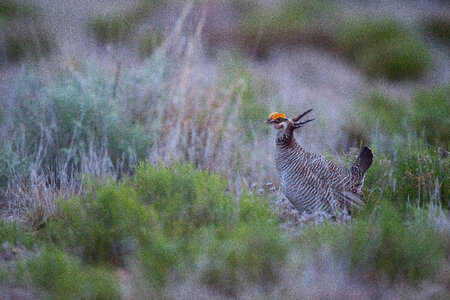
{"points": [[267, 121]]}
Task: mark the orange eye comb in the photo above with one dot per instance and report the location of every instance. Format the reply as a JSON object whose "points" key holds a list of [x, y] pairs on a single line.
{"points": [[276, 115]]}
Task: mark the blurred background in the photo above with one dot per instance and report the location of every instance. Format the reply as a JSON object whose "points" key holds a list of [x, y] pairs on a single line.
{"points": [[91, 89], [97, 86]]}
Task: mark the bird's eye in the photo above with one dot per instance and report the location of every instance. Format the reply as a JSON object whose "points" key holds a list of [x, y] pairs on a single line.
{"points": [[279, 120]]}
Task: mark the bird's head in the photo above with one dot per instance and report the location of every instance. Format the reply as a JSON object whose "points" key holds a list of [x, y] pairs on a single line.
{"points": [[280, 122]]}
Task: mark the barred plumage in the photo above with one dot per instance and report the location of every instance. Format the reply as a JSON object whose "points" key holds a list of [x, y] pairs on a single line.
{"points": [[312, 182]]}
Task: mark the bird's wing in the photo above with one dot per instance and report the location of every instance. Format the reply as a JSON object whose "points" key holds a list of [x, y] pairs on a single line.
{"points": [[328, 171], [337, 179], [347, 198]]}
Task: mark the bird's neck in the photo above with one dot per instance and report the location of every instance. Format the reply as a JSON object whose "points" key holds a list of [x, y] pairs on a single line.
{"points": [[286, 139]]}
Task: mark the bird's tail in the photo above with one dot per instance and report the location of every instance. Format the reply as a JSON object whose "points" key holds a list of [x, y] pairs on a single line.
{"points": [[363, 162]]}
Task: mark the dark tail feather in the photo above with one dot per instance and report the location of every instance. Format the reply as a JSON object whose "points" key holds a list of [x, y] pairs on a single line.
{"points": [[363, 162]]}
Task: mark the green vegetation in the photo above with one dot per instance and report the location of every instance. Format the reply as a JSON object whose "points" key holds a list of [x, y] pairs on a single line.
{"points": [[430, 114], [439, 27], [295, 22], [120, 26], [27, 45], [15, 234], [149, 41], [412, 164], [61, 276], [379, 47], [97, 225], [69, 120], [23, 42], [11, 165], [250, 253], [381, 245], [417, 175], [427, 116], [383, 47], [111, 29], [249, 95], [182, 222], [78, 150], [10, 9], [159, 219]]}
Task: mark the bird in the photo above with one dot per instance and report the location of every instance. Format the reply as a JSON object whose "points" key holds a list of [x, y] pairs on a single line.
{"points": [[311, 182]]}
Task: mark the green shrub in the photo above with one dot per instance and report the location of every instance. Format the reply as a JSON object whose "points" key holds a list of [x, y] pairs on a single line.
{"points": [[149, 41], [10, 9], [11, 166], [155, 219], [376, 114], [111, 29], [439, 27], [388, 114], [27, 45], [110, 225], [119, 27], [396, 59], [415, 174], [382, 246], [249, 94], [76, 119], [398, 250], [15, 234], [158, 255], [383, 47], [396, 118], [251, 253], [355, 34], [106, 225], [295, 22], [64, 277], [20, 42], [185, 198], [430, 115], [144, 8], [194, 211], [422, 174]]}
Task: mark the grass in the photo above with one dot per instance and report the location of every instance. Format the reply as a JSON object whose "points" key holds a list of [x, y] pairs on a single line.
{"points": [[249, 95], [295, 22], [139, 190], [159, 219], [23, 42], [10, 9], [149, 41], [379, 47], [383, 48], [110, 29], [178, 222], [425, 116], [15, 234], [84, 122], [382, 246], [12, 165], [119, 26], [430, 116], [61, 276], [69, 119], [31, 46], [439, 27]]}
